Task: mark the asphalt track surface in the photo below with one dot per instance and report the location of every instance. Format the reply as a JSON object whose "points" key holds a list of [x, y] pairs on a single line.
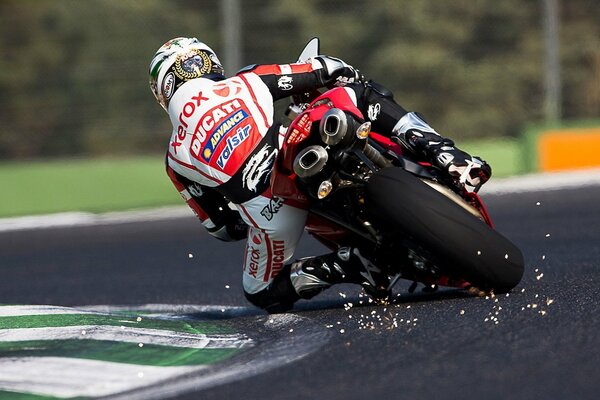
{"points": [[540, 342]]}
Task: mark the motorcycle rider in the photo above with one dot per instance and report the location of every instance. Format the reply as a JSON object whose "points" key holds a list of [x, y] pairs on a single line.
{"points": [[222, 150]]}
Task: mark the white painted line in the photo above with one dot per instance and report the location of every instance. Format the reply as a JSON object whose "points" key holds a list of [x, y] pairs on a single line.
{"points": [[127, 334], [14, 311], [72, 377], [543, 182], [71, 219]]}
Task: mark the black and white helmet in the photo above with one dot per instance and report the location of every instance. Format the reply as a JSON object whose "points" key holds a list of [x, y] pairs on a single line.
{"points": [[178, 61]]}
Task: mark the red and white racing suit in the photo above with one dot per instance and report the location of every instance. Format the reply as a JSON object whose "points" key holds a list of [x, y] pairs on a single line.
{"points": [[221, 154], [222, 149]]}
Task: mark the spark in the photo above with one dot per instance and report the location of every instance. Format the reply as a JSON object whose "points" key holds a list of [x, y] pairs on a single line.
{"points": [[190, 255]]}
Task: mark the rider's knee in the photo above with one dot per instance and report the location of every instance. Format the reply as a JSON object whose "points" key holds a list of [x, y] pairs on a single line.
{"points": [[278, 297]]}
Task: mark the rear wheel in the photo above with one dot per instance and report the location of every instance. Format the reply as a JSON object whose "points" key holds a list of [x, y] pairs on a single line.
{"points": [[460, 243]]}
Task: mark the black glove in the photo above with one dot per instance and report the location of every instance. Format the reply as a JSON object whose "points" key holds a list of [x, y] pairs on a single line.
{"points": [[337, 72]]}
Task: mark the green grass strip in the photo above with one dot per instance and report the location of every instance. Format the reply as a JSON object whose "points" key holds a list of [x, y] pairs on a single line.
{"points": [[58, 320], [94, 185], [503, 154], [104, 350], [6, 395]]}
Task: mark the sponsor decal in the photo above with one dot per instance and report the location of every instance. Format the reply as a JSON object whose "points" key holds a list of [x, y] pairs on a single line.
{"points": [[220, 132], [231, 144], [186, 112], [226, 89], [257, 238], [258, 168], [278, 257], [373, 111], [285, 83], [254, 260], [272, 208], [209, 120], [343, 81], [195, 189], [168, 85]]}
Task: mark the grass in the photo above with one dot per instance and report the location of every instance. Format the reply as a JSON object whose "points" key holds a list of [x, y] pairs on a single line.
{"points": [[505, 155], [101, 185], [84, 185]]}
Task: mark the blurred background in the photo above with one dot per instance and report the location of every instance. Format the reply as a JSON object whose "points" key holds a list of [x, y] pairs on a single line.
{"points": [[73, 74]]}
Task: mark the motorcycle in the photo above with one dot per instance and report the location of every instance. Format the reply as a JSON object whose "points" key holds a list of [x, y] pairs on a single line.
{"points": [[408, 218]]}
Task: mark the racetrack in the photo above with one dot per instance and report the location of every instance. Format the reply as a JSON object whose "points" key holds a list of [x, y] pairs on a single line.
{"points": [[539, 342]]}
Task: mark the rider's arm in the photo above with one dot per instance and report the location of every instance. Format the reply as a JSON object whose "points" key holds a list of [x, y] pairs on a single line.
{"points": [[285, 80], [211, 208]]}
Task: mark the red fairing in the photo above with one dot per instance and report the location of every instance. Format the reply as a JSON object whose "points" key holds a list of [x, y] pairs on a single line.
{"points": [[474, 199], [386, 142], [283, 178]]}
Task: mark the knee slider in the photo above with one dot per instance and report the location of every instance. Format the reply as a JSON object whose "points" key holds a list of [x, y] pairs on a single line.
{"points": [[278, 297]]}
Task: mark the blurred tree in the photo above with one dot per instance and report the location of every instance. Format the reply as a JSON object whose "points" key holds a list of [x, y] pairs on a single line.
{"points": [[73, 76]]}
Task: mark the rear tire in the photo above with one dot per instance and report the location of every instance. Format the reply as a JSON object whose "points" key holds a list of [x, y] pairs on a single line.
{"points": [[461, 244]]}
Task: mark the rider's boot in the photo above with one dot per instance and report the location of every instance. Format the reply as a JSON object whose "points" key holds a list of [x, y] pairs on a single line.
{"points": [[310, 276], [415, 134]]}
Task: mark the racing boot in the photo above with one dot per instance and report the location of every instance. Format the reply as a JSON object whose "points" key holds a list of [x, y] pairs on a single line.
{"points": [[416, 135], [310, 276]]}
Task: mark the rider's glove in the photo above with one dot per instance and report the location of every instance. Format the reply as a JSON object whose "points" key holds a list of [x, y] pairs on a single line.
{"points": [[337, 72]]}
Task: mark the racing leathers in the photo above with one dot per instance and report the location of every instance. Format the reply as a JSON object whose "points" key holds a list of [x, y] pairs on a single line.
{"points": [[221, 154]]}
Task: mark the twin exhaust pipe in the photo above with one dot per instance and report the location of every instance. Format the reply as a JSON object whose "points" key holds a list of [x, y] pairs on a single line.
{"points": [[333, 129]]}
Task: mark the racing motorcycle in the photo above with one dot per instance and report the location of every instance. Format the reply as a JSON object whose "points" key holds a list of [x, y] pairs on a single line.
{"points": [[408, 218]]}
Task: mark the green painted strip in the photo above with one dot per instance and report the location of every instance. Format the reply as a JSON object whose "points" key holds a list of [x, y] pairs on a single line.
{"points": [[129, 353], [5, 395], [56, 320]]}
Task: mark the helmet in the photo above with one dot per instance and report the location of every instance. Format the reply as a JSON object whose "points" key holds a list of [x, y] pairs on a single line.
{"points": [[178, 61]]}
